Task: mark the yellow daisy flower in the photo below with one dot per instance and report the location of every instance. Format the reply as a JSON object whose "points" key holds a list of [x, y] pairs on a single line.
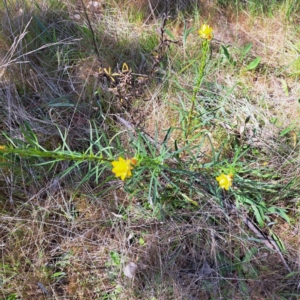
{"points": [[225, 181], [205, 32], [122, 168]]}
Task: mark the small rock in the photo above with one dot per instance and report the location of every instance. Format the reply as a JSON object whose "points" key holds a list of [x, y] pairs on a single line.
{"points": [[130, 270]]}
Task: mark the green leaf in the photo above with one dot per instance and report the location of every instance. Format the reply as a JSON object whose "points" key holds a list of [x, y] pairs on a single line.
{"points": [[176, 153], [58, 275], [273, 120], [29, 135], [5, 164], [169, 33], [142, 241], [259, 214], [285, 131], [246, 50], [167, 136], [292, 274], [12, 297], [227, 55], [247, 119], [279, 211], [285, 87], [188, 199], [253, 64], [186, 33], [244, 288], [278, 242], [116, 258]]}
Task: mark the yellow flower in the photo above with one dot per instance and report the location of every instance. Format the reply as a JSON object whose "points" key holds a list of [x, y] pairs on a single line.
{"points": [[225, 181], [122, 168], [2, 147], [205, 32]]}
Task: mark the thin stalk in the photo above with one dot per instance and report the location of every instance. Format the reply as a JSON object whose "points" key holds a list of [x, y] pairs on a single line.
{"points": [[59, 155], [205, 50]]}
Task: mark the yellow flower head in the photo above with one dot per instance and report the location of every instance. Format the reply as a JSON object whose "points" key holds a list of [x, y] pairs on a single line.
{"points": [[2, 147], [122, 168], [225, 181], [205, 32]]}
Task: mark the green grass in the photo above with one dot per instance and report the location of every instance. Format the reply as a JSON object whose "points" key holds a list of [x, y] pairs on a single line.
{"points": [[79, 93]]}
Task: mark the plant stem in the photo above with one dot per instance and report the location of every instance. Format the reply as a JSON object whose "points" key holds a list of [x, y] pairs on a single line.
{"points": [[58, 155], [205, 49]]}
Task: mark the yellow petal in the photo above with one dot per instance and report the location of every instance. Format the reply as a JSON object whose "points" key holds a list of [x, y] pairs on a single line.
{"points": [[122, 168], [225, 181], [205, 32]]}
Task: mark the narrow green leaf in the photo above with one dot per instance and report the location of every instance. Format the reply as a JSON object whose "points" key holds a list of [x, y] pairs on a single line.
{"points": [[246, 50], [285, 131], [167, 136], [247, 119], [279, 211], [186, 34], [227, 55], [169, 33], [253, 64], [292, 274], [259, 216], [58, 275], [278, 242], [285, 87]]}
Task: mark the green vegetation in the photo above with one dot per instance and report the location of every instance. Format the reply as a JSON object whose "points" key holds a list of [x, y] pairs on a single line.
{"points": [[149, 150]]}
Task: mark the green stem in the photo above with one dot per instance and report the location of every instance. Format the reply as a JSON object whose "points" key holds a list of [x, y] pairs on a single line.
{"points": [[205, 49], [59, 155]]}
